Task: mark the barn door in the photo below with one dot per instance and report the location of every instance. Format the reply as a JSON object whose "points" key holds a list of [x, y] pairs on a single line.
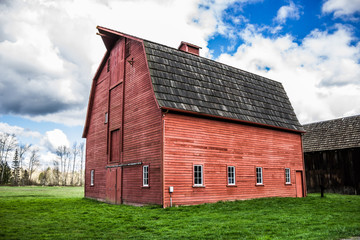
{"points": [[113, 185], [299, 184], [117, 62], [115, 145]]}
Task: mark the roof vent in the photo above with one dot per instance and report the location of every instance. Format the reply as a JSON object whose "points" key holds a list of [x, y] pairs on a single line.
{"points": [[189, 48]]}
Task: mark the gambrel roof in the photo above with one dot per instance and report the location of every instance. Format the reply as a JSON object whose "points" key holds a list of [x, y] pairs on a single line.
{"points": [[334, 134], [189, 83], [192, 83]]}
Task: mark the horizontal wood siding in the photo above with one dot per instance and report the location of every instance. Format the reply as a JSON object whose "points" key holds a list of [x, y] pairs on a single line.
{"points": [[96, 141], [218, 144], [142, 130]]}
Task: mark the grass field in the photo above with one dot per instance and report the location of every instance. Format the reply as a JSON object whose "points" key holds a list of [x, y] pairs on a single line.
{"points": [[63, 213]]}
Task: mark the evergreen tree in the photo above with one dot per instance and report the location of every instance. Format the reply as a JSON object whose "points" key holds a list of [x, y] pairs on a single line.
{"points": [[16, 168], [6, 170], [25, 178]]}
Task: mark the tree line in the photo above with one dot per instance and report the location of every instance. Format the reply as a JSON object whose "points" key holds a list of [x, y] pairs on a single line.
{"points": [[20, 164]]}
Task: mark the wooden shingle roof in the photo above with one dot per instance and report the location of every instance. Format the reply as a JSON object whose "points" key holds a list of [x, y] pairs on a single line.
{"points": [[335, 134], [192, 83]]}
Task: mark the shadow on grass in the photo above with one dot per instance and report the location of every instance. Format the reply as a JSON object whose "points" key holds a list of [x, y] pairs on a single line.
{"points": [[29, 196]]}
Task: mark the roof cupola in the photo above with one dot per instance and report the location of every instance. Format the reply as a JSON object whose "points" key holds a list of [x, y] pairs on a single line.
{"points": [[189, 48]]}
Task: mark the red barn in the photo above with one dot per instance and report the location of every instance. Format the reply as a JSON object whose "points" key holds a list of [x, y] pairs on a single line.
{"points": [[162, 119]]}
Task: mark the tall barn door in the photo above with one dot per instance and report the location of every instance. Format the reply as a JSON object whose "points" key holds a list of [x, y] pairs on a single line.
{"points": [[113, 185], [299, 184], [117, 62], [115, 145]]}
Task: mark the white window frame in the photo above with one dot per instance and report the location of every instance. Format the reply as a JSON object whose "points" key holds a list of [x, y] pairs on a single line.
{"points": [[259, 176], [231, 179], [287, 176], [195, 177], [145, 175], [92, 177]]}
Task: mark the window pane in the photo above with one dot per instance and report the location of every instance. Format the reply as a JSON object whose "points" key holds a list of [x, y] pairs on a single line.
{"points": [[231, 175], [198, 175], [259, 175], [287, 175], [92, 177], [145, 175]]}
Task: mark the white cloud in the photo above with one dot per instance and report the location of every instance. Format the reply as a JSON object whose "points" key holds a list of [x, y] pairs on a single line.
{"points": [[341, 8], [321, 75], [18, 131], [71, 117], [49, 50], [54, 139], [47, 158], [291, 11]]}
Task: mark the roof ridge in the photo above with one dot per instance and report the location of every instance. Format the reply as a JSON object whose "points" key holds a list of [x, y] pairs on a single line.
{"points": [[332, 120], [212, 60], [209, 59]]}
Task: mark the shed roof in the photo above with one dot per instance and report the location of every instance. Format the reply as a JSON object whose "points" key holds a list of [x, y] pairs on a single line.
{"points": [[192, 83], [334, 134]]}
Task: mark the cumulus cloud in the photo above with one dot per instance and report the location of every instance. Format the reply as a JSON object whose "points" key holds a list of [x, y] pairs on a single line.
{"points": [[291, 11], [47, 158], [43, 70], [54, 139], [18, 131], [320, 75], [341, 8], [49, 50]]}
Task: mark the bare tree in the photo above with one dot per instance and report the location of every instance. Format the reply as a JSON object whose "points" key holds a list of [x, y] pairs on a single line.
{"points": [[7, 144], [81, 152], [34, 162], [23, 148], [67, 166], [75, 152], [63, 154], [56, 172]]}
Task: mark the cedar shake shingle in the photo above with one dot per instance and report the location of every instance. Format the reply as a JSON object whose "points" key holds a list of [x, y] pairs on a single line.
{"points": [[192, 83], [334, 134]]}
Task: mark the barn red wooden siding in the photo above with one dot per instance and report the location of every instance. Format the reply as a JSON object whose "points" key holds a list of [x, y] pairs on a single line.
{"points": [[132, 134], [217, 144], [139, 133]]}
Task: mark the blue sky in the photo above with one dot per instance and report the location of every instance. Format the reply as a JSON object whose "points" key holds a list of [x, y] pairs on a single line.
{"points": [[49, 53]]}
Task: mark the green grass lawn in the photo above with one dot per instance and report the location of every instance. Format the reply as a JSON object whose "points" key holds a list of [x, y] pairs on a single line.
{"points": [[63, 213]]}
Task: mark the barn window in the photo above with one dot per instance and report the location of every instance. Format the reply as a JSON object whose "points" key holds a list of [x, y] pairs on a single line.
{"points": [[259, 175], [198, 175], [146, 175], [287, 176], [106, 117], [92, 175], [231, 175]]}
